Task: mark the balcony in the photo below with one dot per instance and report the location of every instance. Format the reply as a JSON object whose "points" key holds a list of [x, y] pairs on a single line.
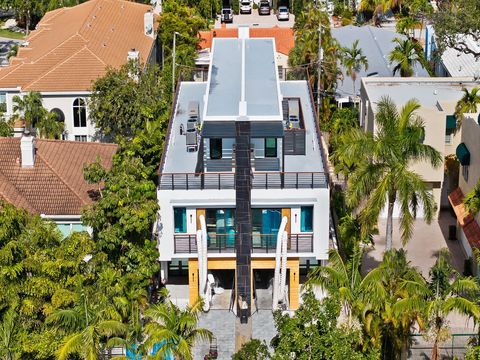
{"points": [[226, 181], [225, 243]]}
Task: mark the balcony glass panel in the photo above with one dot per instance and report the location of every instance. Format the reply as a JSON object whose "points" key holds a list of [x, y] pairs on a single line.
{"points": [[180, 220], [306, 219]]}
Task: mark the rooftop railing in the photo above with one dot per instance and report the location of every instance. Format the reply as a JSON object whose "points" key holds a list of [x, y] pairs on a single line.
{"points": [[225, 243], [226, 180]]}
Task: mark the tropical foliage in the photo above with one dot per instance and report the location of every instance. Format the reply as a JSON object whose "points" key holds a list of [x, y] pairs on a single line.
{"points": [[304, 59], [468, 103], [353, 60], [406, 56], [472, 200], [383, 176]]}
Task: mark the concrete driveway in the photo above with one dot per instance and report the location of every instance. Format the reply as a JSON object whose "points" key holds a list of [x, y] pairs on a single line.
{"points": [[255, 20], [423, 247]]}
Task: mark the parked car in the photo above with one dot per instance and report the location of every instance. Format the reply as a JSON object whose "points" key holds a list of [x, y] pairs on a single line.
{"points": [[264, 8], [283, 13], [227, 15], [245, 7]]}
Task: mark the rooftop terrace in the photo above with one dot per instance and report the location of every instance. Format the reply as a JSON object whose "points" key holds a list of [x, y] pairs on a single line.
{"points": [[243, 81]]}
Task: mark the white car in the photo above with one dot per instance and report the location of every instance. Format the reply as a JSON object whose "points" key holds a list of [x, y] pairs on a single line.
{"points": [[245, 7], [283, 13]]}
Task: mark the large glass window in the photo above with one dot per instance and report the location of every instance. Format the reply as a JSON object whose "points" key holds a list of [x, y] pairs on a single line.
{"points": [[79, 113], [180, 220], [306, 219], [215, 149], [265, 226], [221, 227], [270, 147]]}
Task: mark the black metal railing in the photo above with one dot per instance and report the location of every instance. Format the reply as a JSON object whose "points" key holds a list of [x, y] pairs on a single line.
{"points": [[225, 243], [226, 181]]}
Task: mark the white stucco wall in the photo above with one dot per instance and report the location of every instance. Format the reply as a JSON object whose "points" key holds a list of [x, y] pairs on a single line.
{"points": [[287, 198], [62, 101]]}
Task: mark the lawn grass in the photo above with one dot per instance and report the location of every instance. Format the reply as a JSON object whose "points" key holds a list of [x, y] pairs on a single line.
{"points": [[11, 34]]}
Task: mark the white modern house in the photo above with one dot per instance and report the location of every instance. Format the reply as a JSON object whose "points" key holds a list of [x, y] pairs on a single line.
{"points": [[70, 49], [243, 191]]}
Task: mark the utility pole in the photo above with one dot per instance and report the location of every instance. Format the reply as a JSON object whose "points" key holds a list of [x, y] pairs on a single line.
{"points": [[174, 59]]}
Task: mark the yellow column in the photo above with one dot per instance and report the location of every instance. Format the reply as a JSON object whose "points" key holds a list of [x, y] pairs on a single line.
{"points": [[294, 283], [193, 280]]}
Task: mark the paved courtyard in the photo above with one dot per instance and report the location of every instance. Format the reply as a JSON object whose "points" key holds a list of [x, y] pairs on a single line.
{"points": [[422, 248], [222, 324]]}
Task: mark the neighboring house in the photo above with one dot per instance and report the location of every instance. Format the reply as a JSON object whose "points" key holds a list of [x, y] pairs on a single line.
{"points": [[376, 44], [468, 154], [452, 62], [70, 49], [253, 158], [45, 177], [438, 97], [284, 42]]}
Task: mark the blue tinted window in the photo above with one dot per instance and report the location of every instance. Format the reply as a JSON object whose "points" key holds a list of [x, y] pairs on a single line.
{"points": [[306, 219], [180, 220]]}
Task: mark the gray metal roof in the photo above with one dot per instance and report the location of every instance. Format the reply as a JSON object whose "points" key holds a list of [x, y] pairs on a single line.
{"points": [[243, 81], [376, 44]]}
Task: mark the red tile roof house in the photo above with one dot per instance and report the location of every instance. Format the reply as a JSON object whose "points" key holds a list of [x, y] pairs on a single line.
{"points": [[72, 47], [45, 177], [284, 42]]}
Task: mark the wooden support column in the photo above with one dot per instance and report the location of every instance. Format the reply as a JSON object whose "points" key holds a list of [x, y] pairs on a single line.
{"points": [[294, 287], [193, 280]]}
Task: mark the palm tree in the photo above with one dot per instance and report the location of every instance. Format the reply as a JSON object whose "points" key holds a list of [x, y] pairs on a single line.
{"points": [[86, 330], [353, 60], [407, 54], [472, 200], [407, 25], [175, 330], [382, 176], [467, 104], [49, 127], [449, 293], [343, 280], [393, 280], [29, 108]]}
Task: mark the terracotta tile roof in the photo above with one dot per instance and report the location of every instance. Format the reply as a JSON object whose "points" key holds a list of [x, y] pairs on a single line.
{"points": [[466, 220], [55, 185], [71, 47], [284, 38]]}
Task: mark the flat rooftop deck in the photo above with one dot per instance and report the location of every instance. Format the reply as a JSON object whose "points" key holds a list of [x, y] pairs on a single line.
{"points": [[178, 160]]}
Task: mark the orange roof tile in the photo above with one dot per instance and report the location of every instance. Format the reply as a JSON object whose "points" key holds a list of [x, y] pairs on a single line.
{"points": [[71, 47], [284, 38], [466, 220], [55, 184]]}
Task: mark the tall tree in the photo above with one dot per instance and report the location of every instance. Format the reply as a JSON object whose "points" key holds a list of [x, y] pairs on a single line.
{"points": [[467, 104], [406, 55], [454, 21], [383, 176], [353, 59]]}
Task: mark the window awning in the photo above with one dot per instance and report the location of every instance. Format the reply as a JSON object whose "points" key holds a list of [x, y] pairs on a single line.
{"points": [[451, 122], [463, 155]]}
